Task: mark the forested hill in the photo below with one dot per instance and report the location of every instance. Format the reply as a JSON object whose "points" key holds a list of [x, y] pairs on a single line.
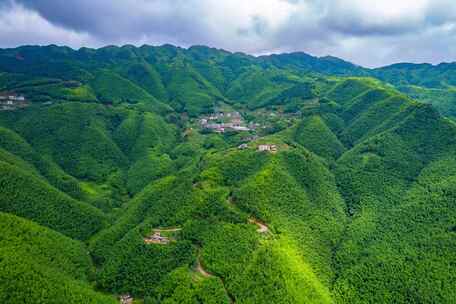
{"points": [[190, 80], [113, 74], [171, 175]]}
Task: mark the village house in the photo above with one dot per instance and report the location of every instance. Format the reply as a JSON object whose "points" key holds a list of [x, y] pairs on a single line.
{"points": [[126, 299], [236, 115], [243, 147], [18, 98], [236, 121], [12, 102], [218, 128], [240, 128], [267, 148], [6, 108], [215, 127], [253, 125], [250, 138], [157, 238]]}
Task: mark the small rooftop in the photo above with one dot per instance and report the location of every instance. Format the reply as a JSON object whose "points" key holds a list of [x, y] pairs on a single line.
{"points": [[126, 299], [267, 148], [157, 238]]}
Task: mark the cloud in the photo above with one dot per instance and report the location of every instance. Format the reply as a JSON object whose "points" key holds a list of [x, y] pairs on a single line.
{"points": [[367, 32], [19, 26]]}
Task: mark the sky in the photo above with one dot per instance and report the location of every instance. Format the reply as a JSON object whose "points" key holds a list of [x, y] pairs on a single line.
{"points": [[367, 32]]}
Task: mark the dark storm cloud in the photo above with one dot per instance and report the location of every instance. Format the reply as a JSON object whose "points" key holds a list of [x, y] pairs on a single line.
{"points": [[366, 32], [114, 21]]}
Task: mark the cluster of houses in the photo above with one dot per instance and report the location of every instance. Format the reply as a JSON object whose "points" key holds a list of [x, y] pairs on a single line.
{"points": [[10, 101], [222, 122], [157, 238]]}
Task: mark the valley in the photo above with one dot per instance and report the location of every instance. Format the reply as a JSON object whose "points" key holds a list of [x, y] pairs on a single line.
{"points": [[170, 175]]}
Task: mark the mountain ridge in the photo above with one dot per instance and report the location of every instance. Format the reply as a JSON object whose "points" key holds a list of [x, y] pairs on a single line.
{"points": [[202, 46]]}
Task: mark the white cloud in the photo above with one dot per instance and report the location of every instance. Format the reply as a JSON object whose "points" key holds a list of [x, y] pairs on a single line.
{"points": [[20, 26], [385, 9]]}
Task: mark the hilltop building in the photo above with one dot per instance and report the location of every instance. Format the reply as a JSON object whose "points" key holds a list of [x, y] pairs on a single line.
{"points": [[267, 148], [157, 238]]}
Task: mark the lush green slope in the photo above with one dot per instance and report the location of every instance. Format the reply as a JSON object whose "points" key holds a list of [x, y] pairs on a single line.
{"points": [[355, 206], [411, 243], [387, 181], [274, 191], [424, 75], [112, 88], [76, 137], [147, 77], [35, 163], [444, 99], [317, 137], [26, 195], [38, 265]]}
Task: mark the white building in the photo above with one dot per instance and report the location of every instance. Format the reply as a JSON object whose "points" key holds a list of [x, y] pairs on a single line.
{"points": [[267, 148], [239, 128]]}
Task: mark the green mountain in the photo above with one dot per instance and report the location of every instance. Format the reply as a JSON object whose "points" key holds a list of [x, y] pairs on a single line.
{"points": [[39, 265], [202, 176]]}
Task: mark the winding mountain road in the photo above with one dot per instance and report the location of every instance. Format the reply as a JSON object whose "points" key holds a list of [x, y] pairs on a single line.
{"points": [[200, 269]]}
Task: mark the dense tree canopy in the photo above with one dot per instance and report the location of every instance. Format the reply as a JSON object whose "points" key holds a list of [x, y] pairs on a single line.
{"points": [[110, 185]]}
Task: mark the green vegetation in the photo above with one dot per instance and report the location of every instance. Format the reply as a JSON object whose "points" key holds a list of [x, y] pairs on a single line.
{"points": [[38, 265], [180, 286], [112, 88], [29, 197], [110, 185], [313, 134]]}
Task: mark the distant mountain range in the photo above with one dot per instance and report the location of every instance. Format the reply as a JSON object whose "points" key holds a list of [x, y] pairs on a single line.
{"points": [[211, 74]]}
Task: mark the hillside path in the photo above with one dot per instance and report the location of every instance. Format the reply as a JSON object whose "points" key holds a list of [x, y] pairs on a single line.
{"points": [[200, 269], [168, 230], [262, 228]]}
